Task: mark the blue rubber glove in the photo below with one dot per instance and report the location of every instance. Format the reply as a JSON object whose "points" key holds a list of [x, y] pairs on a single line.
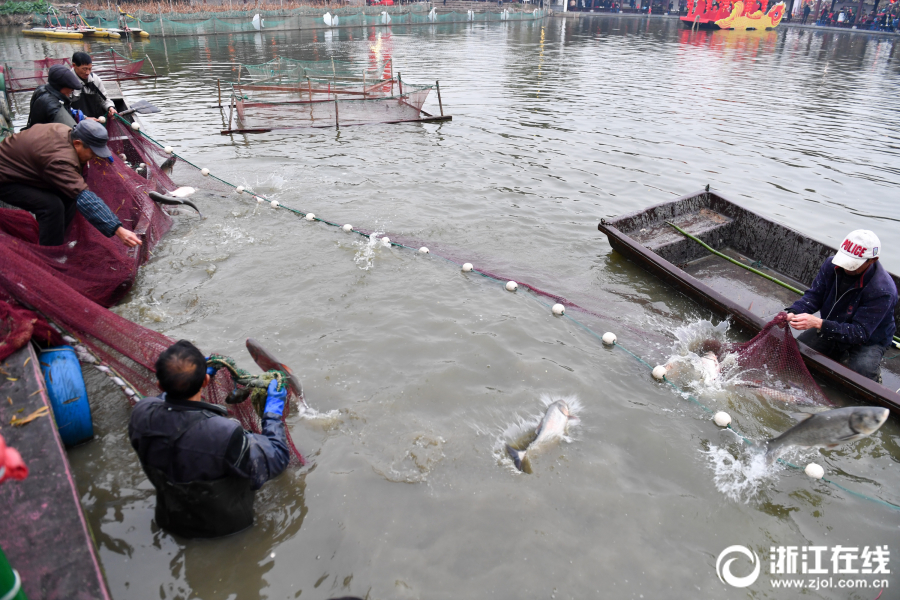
{"points": [[211, 371], [275, 399], [77, 115]]}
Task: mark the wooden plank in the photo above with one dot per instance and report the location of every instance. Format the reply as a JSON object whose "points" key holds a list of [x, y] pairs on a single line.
{"points": [[45, 534]]}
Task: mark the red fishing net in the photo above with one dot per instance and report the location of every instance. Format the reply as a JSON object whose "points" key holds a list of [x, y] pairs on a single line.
{"points": [[772, 366], [28, 75], [71, 285]]}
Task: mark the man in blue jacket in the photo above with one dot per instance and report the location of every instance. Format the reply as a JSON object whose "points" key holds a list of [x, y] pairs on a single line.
{"points": [[856, 297], [204, 466]]}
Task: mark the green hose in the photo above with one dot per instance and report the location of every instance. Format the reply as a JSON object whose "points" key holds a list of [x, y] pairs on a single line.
{"points": [[743, 266]]}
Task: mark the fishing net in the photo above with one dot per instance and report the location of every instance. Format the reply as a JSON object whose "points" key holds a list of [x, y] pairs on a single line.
{"points": [[71, 285], [308, 17], [772, 366], [28, 75], [321, 104], [108, 65]]}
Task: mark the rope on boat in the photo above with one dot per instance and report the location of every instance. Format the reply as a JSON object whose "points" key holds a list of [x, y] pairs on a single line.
{"points": [[535, 294], [749, 268]]}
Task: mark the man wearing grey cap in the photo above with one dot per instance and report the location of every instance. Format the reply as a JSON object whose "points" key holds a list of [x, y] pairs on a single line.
{"points": [[41, 172], [50, 102]]}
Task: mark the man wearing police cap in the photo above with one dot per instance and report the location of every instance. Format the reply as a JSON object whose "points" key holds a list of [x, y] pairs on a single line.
{"points": [[41, 172], [856, 298]]}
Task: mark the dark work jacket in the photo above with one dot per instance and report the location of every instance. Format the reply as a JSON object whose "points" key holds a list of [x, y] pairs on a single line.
{"points": [[863, 315], [203, 464], [48, 105]]}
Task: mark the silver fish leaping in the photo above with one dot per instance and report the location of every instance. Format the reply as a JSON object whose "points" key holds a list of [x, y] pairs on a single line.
{"points": [[830, 428], [551, 429]]}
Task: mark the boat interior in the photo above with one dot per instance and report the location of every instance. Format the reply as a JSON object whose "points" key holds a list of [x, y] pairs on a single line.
{"points": [[747, 237]]}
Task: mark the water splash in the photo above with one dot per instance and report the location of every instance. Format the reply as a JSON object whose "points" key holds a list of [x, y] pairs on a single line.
{"points": [[520, 432], [740, 477], [366, 250]]}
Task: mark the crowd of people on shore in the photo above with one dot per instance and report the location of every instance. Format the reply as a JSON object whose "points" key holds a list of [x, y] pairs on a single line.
{"points": [[847, 17]]}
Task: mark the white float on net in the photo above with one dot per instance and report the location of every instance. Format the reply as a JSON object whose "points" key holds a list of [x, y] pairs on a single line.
{"points": [[815, 471], [609, 338], [423, 250], [274, 203], [659, 372], [136, 126], [310, 217], [722, 419], [204, 171], [467, 267], [239, 189], [512, 286], [559, 309], [348, 227]]}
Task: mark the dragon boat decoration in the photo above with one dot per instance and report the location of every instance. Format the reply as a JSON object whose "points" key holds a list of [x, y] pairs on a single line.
{"points": [[739, 15]]}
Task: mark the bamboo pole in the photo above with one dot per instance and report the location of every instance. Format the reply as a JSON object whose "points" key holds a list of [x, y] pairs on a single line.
{"points": [[400, 82], [337, 123], [437, 84], [219, 89], [309, 87]]}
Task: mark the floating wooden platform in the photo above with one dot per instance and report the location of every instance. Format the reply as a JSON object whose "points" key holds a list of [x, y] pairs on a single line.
{"points": [[45, 534], [728, 290]]}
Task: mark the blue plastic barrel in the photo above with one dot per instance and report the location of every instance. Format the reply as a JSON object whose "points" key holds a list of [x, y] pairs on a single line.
{"points": [[68, 396]]}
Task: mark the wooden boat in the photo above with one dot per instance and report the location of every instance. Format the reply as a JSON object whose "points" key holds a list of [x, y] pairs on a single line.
{"points": [[46, 32], [729, 290]]}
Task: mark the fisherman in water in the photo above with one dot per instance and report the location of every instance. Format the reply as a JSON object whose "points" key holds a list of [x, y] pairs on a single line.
{"points": [[204, 466], [41, 172], [856, 297]]}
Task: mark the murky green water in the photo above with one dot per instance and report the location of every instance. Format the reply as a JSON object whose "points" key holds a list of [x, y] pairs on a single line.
{"points": [[556, 125]]}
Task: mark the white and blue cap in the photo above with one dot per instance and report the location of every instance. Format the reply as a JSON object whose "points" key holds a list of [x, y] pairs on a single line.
{"points": [[94, 136], [859, 246]]}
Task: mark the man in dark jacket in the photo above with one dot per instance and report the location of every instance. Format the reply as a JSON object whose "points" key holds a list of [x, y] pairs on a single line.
{"points": [[50, 103], [856, 297], [204, 466], [41, 172]]}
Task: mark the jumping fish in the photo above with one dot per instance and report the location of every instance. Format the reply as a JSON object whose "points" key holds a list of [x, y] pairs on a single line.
{"points": [[830, 428], [551, 428]]}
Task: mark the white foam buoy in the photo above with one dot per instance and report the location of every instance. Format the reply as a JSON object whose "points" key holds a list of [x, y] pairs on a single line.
{"points": [[559, 309], [609, 338], [386, 241], [310, 217], [136, 126], [69, 340], [239, 189], [168, 150], [142, 166], [659, 372], [467, 267], [259, 200], [274, 203], [512, 286], [204, 171], [815, 471], [128, 391], [348, 227], [102, 369], [423, 250], [123, 157], [102, 120], [722, 419], [118, 381]]}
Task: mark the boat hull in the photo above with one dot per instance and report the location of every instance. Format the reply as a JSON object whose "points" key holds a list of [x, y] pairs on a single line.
{"points": [[644, 238]]}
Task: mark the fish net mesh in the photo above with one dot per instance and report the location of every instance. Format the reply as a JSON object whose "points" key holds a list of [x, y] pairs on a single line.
{"points": [[74, 284], [289, 94], [307, 17], [108, 65], [772, 366]]}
